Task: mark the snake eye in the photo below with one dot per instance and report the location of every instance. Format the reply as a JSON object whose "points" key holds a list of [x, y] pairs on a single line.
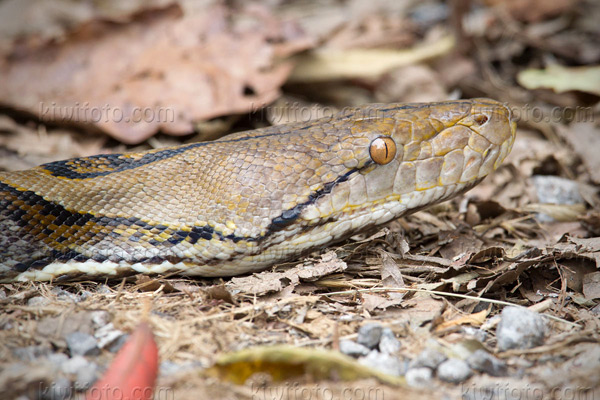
{"points": [[382, 150]]}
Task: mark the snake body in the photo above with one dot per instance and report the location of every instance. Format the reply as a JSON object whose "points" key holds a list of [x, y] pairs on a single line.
{"points": [[248, 200]]}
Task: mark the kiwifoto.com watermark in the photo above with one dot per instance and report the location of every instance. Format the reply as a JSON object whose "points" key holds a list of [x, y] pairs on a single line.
{"points": [[295, 391], [301, 112], [85, 112], [508, 391], [55, 391]]}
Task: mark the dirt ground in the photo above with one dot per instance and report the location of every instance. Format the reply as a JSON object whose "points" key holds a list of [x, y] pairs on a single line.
{"points": [[528, 235]]}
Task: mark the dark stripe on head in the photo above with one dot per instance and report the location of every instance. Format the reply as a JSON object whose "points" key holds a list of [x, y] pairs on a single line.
{"points": [[289, 216]]}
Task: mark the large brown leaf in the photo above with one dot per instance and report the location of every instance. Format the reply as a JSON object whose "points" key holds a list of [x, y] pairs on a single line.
{"points": [[179, 67]]}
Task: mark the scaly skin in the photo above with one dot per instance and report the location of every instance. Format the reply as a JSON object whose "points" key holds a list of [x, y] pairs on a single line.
{"points": [[248, 200]]}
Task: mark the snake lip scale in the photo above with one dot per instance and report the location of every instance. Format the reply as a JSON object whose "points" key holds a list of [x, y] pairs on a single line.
{"points": [[248, 200]]}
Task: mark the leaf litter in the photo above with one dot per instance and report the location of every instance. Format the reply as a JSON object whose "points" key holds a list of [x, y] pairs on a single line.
{"points": [[438, 279]]}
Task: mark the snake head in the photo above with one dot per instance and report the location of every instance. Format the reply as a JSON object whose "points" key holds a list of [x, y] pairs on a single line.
{"points": [[409, 156]]}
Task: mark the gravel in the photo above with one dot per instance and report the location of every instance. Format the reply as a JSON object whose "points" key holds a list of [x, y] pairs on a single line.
{"points": [[60, 389], [520, 328], [384, 363], [82, 344], [388, 344], [353, 349], [429, 358], [454, 370], [85, 372], [31, 353], [369, 335], [419, 377], [483, 361]]}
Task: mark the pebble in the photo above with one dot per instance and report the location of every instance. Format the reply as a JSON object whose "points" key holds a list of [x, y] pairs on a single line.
{"points": [[57, 359], [117, 344], [100, 318], [369, 335], [419, 377], [454, 370], [82, 344], [30, 353], [86, 377], [353, 349], [384, 363], [63, 295], [520, 328], [107, 335], [86, 372], [555, 190], [37, 301], [60, 389], [429, 358], [388, 344], [478, 334], [483, 361]]}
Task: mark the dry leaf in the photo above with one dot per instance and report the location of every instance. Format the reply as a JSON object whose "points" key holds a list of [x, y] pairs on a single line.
{"points": [[562, 79], [267, 281], [584, 138], [284, 362], [332, 64], [157, 70], [591, 286], [476, 319]]}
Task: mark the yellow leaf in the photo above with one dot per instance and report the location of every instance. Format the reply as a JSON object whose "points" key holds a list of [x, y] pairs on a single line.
{"points": [[284, 362], [561, 79]]}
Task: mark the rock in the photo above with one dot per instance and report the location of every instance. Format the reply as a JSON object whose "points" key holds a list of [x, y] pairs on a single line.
{"points": [[478, 334], [86, 372], [74, 364], [107, 335], [483, 361], [520, 328], [30, 353], [419, 377], [385, 363], [117, 344], [57, 359], [86, 377], [388, 344], [454, 370], [82, 344], [37, 301], [429, 358], [555, 190], [100, 318], [63, 295], [60, 389], [353, 349], [369, 335]]}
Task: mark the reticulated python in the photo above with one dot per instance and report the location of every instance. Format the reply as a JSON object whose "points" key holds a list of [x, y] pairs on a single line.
{"points": [[248, 200]]}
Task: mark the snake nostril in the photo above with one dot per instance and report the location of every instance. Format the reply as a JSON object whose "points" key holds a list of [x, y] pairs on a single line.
{"points": [[481, 119]]}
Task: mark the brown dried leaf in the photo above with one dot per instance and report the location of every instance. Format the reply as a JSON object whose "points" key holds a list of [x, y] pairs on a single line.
{"points": [[591, 286], [534, 10], [182, 68], [267, 281], [584, 138], [476, 319]]}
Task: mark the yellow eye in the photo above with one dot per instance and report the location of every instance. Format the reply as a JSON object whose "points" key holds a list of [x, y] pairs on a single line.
{"points": [[382, 150]]}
